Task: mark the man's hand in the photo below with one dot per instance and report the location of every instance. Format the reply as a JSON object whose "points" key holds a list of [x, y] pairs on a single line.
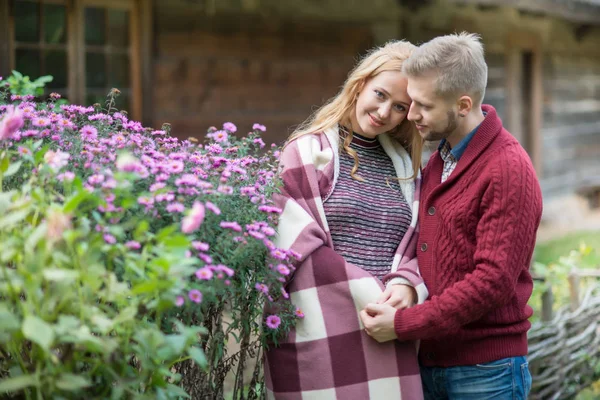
{"points": [[378, 320], [399, 296]]}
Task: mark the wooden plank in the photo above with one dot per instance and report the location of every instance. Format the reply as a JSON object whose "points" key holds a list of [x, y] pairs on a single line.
{"points": [[146, 45], [135, 62], [5, 55]]}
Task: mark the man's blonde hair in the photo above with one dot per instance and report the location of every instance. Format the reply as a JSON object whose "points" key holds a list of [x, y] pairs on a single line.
{"points": [[338, 110], [458, 62]]}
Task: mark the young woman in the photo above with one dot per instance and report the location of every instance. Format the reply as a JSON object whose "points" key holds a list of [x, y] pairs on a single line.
{"points": [[350, 204]]}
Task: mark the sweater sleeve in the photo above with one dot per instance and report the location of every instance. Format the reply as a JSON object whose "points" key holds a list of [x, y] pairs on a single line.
{"points": [[510, 213]]}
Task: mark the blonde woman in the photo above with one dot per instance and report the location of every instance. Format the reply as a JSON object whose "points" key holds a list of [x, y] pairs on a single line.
{"points": [[350, 203]]}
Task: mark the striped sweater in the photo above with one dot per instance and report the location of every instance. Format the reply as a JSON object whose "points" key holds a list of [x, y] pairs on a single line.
{"points": [[328, 354], [368, 219]]}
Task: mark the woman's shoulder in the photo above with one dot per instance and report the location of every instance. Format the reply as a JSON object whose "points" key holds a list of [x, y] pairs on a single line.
{"points": [[316, 148]]}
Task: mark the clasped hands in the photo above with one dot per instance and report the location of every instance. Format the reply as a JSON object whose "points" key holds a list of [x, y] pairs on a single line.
{"points": [[378, 318]]}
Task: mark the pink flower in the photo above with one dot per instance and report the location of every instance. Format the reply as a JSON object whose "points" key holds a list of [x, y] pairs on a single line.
{"points": [[267, 230], [12, 122], [223, 268], [194, 219], [215, 210], [204, 274], [179, 301], [230, 127], [57, 222], [89, 133], [200, 246], [278, 254], [259, 142], [195, 295], [133, 245], [283, 269], [299, 313], [273, 321], [56, 159], [270, 209], [24, 151], [175, 208], [261, 287], [110, 239], [40, 122], [231, 225], [259, 127], [220, 136], [66, 176]]}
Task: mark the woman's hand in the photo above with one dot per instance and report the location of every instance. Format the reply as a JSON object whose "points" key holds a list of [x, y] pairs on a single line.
{"points": [[399, 296]]}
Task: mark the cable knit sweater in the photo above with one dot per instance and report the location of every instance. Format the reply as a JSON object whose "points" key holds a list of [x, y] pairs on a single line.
{"points": [[477, 234]]}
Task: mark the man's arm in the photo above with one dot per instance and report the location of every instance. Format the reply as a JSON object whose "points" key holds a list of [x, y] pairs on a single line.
{"points": [[511, 211]]}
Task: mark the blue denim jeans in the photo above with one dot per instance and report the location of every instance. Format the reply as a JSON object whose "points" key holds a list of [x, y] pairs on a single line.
{"points": [[505, 379]]}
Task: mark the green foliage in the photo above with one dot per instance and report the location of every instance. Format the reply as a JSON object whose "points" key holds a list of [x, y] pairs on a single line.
{"points": [[23, 85], [101, 294]]}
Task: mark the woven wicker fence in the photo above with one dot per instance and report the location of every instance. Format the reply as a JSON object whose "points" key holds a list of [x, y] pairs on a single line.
{"points": [[564, 349]]}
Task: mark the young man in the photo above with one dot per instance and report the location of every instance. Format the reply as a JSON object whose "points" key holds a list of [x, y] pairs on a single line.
{"points": [[480, 208]]}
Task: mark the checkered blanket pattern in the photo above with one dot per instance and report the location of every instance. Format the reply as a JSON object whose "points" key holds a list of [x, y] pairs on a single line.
{"points": [[328, 355]]}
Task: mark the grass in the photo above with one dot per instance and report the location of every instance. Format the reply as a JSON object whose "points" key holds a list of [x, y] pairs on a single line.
{"points": [[550, 251]]}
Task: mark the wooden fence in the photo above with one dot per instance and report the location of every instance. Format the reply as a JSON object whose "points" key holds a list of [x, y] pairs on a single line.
{"points": [[564, 349]]}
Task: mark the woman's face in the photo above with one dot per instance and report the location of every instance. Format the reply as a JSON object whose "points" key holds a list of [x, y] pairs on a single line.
{"points": [[382, 104]]}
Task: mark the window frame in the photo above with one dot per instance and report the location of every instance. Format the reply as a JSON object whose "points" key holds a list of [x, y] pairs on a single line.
{"points": [[75, 45]]}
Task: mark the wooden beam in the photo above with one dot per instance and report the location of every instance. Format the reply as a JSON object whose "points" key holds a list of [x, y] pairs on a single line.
{"points": [[5, 55], [147, 67], [135, 62]]}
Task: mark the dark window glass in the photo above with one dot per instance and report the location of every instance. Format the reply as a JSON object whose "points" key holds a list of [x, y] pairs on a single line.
{"points": [[95, 26], [118, 28], [119, 71], [28, 63], [55, 23], [95, 70], [27, 22], [56, 65]]}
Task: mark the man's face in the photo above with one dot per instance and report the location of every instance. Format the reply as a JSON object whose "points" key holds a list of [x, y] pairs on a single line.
{"points": [[435, 116]]}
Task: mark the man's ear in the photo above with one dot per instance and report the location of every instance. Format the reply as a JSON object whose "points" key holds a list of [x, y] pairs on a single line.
{"points": [[465, 104]]}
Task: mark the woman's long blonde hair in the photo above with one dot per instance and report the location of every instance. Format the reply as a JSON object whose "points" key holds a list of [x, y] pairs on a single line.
{"points": [[338, 109]]}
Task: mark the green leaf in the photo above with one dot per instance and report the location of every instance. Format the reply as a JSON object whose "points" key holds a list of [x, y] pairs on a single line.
{"points": [[198, 356], [145, 287], [8, 320], [177, 342], [13, 168], [75, 200], [177, 241], [177, 391], [17, 74], [60, 275], [13, 218], [17, 383], [4, 162], [38, 331], [37, 235], [37, 144], [71, 382], [141, 229]]}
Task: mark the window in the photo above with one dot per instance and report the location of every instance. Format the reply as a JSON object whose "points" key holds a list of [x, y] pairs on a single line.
{"points": [[88, 46], [40, 41]]}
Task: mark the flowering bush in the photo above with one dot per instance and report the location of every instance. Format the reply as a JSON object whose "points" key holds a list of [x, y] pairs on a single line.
{"points": [[117, 241]]}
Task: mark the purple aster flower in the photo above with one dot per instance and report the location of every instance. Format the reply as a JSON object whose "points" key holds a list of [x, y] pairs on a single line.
{"points": [[89, 133], [231, 225], [213, 208], [204, 274], [230, 127], [273, 321], [110, 239], [282, 269], [179, 301], [133, 245], [195, 295], [194, 219], [175, 208], [259, 127], [200, 246]]}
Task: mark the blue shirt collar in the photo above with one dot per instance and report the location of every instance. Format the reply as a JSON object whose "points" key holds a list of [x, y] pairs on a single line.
{"points": [[460, 148]]}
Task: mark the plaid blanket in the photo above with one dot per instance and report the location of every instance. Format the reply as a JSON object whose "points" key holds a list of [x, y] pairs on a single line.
{"points": [[328, 355]]}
